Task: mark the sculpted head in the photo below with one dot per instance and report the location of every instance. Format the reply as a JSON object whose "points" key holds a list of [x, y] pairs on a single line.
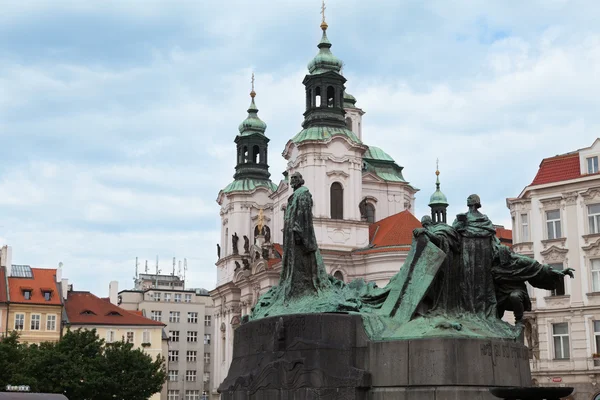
{"points": [[426, 221], [296, 180], [474, 201]]}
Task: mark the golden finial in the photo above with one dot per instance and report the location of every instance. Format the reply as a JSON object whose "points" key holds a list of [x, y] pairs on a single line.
{"points": [[261, 221], [323, 23], [252, 93], [437, 166]]}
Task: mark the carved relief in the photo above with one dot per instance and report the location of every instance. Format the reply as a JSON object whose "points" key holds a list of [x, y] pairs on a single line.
{"points": [[570, 198], [225, 221], [593, 250], [337, 173], [552, 203], [554, 255], [592, 194], [519, 205], [554, 242], [523, 248], [338, 235]]}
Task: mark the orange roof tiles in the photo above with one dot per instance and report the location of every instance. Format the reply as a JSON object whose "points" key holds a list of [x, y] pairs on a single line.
{"points": [[3, 297], [503, 234], [559, 168], [84, 308], [278, 248], [271, 262], [43, 279], [395, 230]]}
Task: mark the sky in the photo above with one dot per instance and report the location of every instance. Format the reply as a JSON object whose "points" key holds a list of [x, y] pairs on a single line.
{"points": [[117, 118]]}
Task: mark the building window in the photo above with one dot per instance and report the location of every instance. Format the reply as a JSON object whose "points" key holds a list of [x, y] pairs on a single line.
{"points": [[597, 335], [174, 316], [27, 294], [167, 297], [207, 320], [35, 322], [370, 211], [207, 358], [110, 336], [560, 289], [47, 295], [207, 338], [191, 356], [349, 123], [173, 395], [50, 322], [524, 228], [206, 377], [190, 375], [192, 318], [156, 315], [130, 337], [173, 375], [553, 224], [192, 336], [174, 336], [19, 322], [192, 395], [146, 337], [595, 275], [594, 218], [173, 355], [188, 298], [337, 200], [156, 296], [339, 276], [177, 297], [560, 334], [592, 164]]}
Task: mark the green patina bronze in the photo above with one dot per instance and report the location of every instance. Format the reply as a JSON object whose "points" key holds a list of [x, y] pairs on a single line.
{"points": [[324, 133], [457, 280], [249, 185]]}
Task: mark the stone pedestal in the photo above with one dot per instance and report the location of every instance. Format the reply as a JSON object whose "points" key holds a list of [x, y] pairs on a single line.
{"points": [[329, 356]]}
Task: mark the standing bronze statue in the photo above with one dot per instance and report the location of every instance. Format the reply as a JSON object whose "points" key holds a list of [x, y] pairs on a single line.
{"points": [[234, 241]]}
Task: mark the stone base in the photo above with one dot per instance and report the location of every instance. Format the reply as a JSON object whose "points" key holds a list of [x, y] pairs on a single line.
{"points": [[329, 356]]}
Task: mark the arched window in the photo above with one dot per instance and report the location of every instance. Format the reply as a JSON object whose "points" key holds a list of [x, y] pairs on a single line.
{"points": [[370, 208], [226, 242], [349, 123], [337, 201], [339, 276], [318, 97], [308, 99], [245, 154], [330, 96], [256, 154]]}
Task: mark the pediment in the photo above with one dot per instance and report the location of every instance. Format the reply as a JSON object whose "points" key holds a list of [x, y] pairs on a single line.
{"points": [[369, 177], [554, 254]]}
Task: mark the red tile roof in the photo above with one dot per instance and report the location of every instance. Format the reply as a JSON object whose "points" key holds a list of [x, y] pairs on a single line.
{"points": [[395, 230], [503, 234], [3, 297], [84, 308], [558, 168], [271, 262], [43, 279], [278, 248]]}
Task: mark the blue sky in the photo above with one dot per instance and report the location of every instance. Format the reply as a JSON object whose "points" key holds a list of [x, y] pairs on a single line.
{"points": [[117, 118]]}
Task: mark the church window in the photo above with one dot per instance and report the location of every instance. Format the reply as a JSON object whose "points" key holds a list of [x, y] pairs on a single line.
{"points": [[337, 201], [339, 276], [318, 97], [370, 211], [256, 154], [245, 154], [349, 123], [330, 96], [308, 99]]}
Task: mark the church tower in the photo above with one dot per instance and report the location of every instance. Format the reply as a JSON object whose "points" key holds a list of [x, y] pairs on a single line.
{"points": [[438, 202]]}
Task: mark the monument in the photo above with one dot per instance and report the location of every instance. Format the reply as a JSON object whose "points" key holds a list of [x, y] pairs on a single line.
{"points": [[434, 332]]}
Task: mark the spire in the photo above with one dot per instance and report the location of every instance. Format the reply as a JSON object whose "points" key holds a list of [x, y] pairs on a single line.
{"points": [[252, 124], [324, 61], [438, 201]]}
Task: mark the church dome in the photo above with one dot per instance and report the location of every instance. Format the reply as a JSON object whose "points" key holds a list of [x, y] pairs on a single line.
{"points": [[324, 61], [349, 100], [252, 124], [438, 198], [375, 153]]}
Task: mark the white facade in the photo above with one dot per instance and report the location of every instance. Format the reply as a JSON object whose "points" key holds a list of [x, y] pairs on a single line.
{"points": [[554, 222]]}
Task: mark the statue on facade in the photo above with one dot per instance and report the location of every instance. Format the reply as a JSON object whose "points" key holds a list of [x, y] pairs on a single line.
{"points": [[246, 263], [261, 222], [362, 207], [218, 251], [234, 241], [237, 266], [246, 245], [267, 233]]}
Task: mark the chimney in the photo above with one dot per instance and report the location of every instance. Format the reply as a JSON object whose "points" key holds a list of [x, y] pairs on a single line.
{"points": [[6, 259], [113, 292], [64, 285], [59, 272]]}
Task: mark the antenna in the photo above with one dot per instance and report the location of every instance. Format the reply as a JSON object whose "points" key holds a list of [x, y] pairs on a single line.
{"points": [[179, 270], [184, 270], [136, 267], [146, 269], [173, 267]]}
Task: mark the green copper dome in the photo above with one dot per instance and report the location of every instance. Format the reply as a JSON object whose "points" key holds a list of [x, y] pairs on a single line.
{"points": [[349, 100], [438, 198], [252, 124], [375, 153], [249, 185], [324, 61], [324, 133]]}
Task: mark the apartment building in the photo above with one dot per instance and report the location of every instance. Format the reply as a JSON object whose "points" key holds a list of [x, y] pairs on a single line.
{"points": [[556, 220], [187, 314]]}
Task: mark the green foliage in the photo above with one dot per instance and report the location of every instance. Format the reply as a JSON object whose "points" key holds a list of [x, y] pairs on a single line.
{"points": [[82, 366]]}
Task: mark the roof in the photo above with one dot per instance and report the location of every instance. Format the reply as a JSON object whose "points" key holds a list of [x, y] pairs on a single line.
{"points": [[85, 308], [324, 61], [42, 279], [252, 124], [505, 235], [395, 230], [349, 100], [248, 185], [375, 153], [559, 168], [278, 248], [389, 172], [3, 296], [324, 133]]}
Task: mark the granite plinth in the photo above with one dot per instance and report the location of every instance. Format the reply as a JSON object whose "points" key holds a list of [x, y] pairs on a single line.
{"points": [[330, 356]]}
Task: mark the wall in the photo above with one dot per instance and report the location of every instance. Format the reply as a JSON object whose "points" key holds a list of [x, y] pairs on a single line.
{"points": [[35, 336]]}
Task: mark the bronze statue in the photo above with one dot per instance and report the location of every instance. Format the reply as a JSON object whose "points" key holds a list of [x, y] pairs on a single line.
{"points": [[246, 245], [218, 251], [246, 263], [234, 240]]}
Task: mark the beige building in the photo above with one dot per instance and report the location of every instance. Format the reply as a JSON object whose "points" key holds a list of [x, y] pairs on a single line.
{"points": [[556, 220], [188, 316]]}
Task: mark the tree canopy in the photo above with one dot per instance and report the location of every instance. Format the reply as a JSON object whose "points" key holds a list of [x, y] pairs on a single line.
{"points": [[82, 367]]}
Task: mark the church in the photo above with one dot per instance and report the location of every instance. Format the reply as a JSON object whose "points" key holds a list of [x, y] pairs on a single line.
{"points": [[363, 205]]}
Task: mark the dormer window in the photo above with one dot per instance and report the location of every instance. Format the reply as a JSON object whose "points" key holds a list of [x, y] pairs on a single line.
{"points": [[592, 165], [47, 294], [87, 312], [27, 294], [114, 314]]}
